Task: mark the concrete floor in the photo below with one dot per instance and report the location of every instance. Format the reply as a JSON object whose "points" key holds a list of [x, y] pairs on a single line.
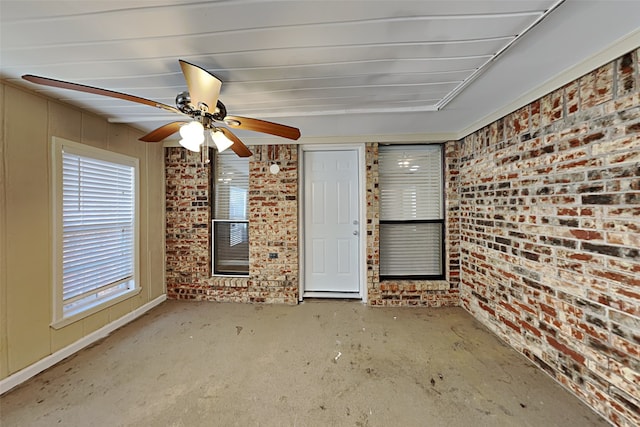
{"points": [[321, 363]]}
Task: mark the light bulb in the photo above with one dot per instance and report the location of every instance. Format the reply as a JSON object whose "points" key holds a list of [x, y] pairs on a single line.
{"points": [[190, 144], [221, 140], [192, 135], [194, 128]]}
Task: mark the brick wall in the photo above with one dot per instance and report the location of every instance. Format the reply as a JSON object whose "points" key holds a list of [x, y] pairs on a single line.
{"points": [[273, 225], [273, 228], [273, 217], [550, 234], [432, 293]]}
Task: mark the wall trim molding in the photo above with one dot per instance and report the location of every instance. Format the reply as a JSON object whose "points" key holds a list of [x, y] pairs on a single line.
{"points": [[30, 371]]}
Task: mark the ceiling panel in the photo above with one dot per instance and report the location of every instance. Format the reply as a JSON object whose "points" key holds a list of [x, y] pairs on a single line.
{"points": [[331, 68]]}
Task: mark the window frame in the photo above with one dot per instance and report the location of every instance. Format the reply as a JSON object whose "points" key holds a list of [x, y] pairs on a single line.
{"points": [[230, 221], [214, 248], [441, 221], [58, 147]]}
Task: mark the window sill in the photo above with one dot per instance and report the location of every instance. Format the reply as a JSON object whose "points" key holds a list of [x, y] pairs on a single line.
{"points": [[61, 323], [241, 276], [416, 285], [433, 278]]}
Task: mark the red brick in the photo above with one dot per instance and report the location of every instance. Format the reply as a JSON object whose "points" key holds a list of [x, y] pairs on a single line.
{"points": [[566, 350]]}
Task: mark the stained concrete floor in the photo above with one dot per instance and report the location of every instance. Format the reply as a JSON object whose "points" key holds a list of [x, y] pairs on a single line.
{"points": [[321, 363]]}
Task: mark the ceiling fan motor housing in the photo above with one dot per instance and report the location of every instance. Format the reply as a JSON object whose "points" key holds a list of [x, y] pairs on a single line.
{"points": [[183, 102], [221, 111]]}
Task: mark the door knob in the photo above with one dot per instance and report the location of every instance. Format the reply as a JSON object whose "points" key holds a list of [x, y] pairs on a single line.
{"points": [[355, 232]]}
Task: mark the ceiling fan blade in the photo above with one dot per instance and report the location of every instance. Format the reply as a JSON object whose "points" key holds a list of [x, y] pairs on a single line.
{"points": [[96, 91], [262, 126], [162, 132], [204, 87], [238, 146]]}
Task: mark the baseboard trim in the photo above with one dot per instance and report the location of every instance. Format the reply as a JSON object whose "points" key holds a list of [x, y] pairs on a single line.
{"points": [[32, 370]]}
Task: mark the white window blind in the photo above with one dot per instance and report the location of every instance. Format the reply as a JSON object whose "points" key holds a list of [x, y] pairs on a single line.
{"points": [[410, 249], [230, 230], [411, 211], [231, 186], [96, 228], [410, 182]]}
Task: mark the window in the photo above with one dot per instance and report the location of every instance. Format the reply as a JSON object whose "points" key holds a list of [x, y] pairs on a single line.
{"points": [[230, 237], [411, 212], [95, 223]]}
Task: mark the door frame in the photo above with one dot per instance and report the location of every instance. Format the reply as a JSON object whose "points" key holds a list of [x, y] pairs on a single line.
{"points": [[362, 220]]}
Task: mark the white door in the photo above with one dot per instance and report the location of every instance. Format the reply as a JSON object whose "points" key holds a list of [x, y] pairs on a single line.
{"points": [[331, 234]]}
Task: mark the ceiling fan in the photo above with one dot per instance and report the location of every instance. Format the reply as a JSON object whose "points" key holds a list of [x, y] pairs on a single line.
{"points": [[200, 103]]}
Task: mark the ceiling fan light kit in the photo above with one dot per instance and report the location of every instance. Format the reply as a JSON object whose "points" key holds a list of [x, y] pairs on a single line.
{"points": [[192, 135], [196, 103], [221, 141], [190, 145]]}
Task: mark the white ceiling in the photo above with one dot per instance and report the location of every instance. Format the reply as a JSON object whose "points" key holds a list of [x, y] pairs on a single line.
{"points": [[339, 70]]}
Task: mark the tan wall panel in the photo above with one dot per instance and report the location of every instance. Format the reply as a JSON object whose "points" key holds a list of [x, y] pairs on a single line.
{"points": [[94, 130], [3, 247], [141, 152], [156, 218], [64, 122], [142, 298], [95, 322], [60, 338], [119, 310], [28, 229], [120, 140]]}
